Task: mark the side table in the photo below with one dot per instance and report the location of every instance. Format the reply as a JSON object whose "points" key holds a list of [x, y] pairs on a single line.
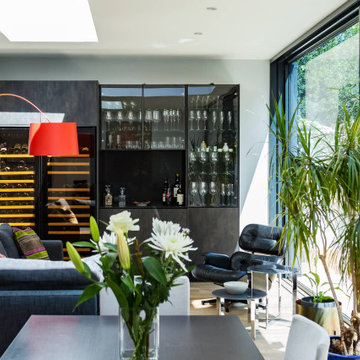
{"points": [[250, 295], [278, 270]]}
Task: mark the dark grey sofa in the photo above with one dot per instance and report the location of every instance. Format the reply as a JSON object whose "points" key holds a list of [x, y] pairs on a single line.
{"points": [[36, 287]]}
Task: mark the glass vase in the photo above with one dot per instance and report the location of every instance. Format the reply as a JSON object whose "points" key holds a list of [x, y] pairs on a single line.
{"points": [[139, 334]]}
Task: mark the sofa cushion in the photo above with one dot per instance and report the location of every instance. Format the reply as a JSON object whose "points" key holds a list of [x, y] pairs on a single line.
{"points": [[2, 250], [30, 244], [7, 240], [29, 274]]}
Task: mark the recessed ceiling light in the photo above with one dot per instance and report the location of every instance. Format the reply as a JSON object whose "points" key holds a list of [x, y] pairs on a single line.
{"points": [[198, 33], [47, 21], [212, 8]]}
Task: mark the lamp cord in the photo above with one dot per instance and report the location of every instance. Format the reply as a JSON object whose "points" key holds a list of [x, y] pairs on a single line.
{"points": [[28, 101]]}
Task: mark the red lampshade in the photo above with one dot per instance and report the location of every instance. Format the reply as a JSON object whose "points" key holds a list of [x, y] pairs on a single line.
{"points": [[53, 139]]}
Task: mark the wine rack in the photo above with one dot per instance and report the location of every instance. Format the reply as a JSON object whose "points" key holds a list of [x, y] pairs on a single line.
{"points": [[18, 196], [69, 199]]}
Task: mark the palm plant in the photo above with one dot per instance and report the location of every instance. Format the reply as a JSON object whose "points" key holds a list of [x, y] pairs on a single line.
{"points": [[319, 191]]}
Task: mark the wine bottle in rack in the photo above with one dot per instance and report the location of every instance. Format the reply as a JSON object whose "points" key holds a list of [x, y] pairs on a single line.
{"points": [[165, 192], [176, 188], [180, 196]]}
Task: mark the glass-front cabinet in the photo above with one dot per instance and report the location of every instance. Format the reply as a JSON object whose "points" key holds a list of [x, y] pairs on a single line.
{"points": [[169, 136], [213, 171]]}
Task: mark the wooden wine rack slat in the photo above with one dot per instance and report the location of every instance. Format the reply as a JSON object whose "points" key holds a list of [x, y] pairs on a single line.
{"points": [[17, 172], [68, 163], [17, 190], [22, 224], [68, 215], [72, 207], [27, 181], [16, 215], [16, 156], [69, 197], [29, 198], [74, 156], [17, 207], [68, 189], [67, 172], [68, 224], [82, 232]]}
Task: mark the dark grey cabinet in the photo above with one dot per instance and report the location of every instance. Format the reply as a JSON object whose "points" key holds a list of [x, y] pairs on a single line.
{"points": [[62, 101]]}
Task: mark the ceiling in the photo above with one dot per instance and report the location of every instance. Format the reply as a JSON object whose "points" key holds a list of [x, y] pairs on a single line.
{"points": [[238, 29]]}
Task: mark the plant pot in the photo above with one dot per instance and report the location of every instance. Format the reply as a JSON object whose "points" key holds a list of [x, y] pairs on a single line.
{"points": [[324, 314], [144, 341], [332, 356]]}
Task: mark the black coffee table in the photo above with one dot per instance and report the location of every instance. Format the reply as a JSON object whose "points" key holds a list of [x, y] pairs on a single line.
{"points": [[250, 295]]}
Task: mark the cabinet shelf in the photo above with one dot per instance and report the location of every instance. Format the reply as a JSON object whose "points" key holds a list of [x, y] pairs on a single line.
{"points": [[16, 215], [30, 198], [68, 164], [69, 197], [72, 156], [68, 172], [17, 172], [17, 207], [16, 156], [70, 207], [17, 190], [68, 189], [20, 181], [21, 224], [67, 224], [68, 215]]}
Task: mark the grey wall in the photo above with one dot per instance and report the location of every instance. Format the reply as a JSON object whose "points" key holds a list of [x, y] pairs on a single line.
{"points": [[253, 77]]}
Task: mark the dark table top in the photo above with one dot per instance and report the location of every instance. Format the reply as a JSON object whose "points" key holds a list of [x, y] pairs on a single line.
{"points": [[96, 337], [247, 295], [273, 269]]}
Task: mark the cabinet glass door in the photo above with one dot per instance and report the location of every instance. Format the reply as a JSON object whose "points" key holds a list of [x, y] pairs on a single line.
{"points": [[18, 195], [70, 193], [121, 118], [213, 120], [164, 117]]}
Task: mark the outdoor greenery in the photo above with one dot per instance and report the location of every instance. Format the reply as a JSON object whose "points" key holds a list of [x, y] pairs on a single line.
{"points": [[319, 190]]}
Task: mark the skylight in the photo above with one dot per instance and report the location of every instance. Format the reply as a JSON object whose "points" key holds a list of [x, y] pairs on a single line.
{"points": [[47, 21]]}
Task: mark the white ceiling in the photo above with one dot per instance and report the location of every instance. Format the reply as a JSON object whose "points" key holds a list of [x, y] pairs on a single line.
{"points": [[238, 29]]}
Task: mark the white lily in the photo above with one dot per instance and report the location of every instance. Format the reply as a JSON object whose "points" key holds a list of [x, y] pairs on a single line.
{"points": [[110, 238], [169, 238], [123, 222]]}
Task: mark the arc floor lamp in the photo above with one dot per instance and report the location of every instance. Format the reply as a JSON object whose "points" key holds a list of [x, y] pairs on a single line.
{"points": [[49, 138]]}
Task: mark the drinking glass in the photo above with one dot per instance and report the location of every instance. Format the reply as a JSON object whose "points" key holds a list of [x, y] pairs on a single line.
{"points": [[131, 119], [156, 119], [202, 159], [148, 119], [230, 194], [202, 192], [222, 195], [192, 119], [205, 119], [229, 119], [214, 159], [213, 119], [212, 192], [167, 142], [193, 193], [178, 119], [198, 119], [227, 162], [166, 119], [221, 121]]}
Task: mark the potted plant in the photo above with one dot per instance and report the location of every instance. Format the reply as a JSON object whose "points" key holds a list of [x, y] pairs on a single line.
{"points": [[140, 283], [320, 307], [318, 178]]}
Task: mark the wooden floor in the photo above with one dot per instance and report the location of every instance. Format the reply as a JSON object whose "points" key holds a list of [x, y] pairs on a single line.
{"points": [[271, 341]]}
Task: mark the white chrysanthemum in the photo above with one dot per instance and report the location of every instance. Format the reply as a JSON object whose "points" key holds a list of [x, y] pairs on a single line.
{"points": [[110, 238], [123, 222], [167, 237]]}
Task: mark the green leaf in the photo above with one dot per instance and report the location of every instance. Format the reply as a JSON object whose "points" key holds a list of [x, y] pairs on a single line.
{"points": [[119, 294], [89, 292], [75, 258], [154, 268], [84, 244], [108, 261], [129, 283], [94, 229]]}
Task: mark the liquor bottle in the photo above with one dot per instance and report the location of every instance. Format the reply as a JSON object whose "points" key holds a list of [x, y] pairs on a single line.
{"points": [[122, 197], [175, 188], [108, 197], [168, 197], [165, 192], [180, 196]]}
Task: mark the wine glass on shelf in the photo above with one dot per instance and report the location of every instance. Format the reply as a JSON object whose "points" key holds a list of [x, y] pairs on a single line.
{"points": [[156, 119], [213, 119], [131, 120], [193, 193], [148, 119], [178, 119], [166, 119], [202, 159], [222, 195], [198, 119], [230, 194], [214, 159], [227, 159], [205, 119], [212, 192], [221, 120], [192, 119], [229, 119], [202, 192]]}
